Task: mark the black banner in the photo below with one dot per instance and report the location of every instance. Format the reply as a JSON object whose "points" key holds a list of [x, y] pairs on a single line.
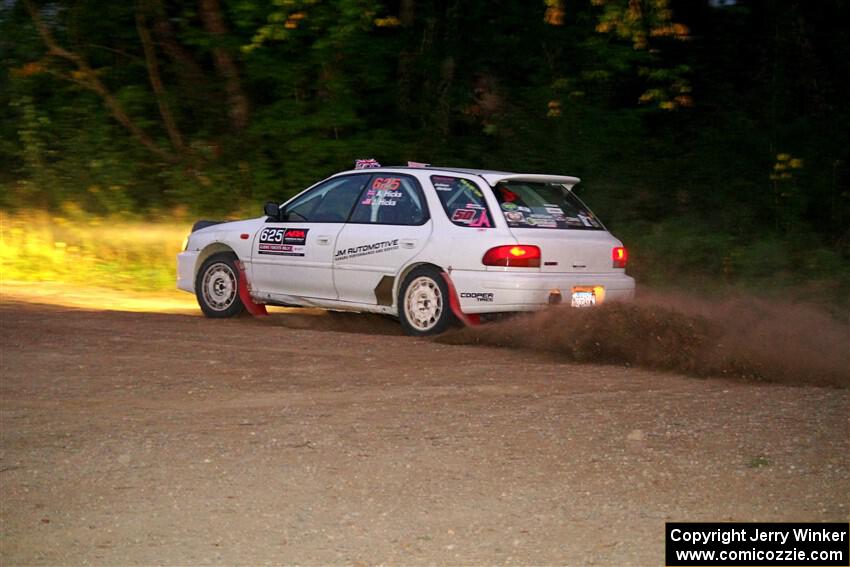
{"points": [[761, 544]]}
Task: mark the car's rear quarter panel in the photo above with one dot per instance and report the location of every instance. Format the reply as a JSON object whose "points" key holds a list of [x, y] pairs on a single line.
{"points": [[488, 289]]}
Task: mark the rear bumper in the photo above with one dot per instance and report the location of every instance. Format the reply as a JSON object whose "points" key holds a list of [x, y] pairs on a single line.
{"points": [[186, 270], [495, 292]]}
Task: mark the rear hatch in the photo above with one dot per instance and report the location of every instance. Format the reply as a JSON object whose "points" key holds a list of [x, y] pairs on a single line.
{"points": [[548, 215]]}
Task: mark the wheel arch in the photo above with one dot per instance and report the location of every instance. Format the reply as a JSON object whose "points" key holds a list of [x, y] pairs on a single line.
{"points": [[403, 274], [209, 250]]}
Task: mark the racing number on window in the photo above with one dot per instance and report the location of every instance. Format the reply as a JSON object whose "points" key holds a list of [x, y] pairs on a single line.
{"points": [[386, 183], [464, 215], [463, 201]]}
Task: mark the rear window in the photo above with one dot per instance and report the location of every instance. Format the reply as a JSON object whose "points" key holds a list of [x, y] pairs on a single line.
{"points": [[543, 205], [463, 201]]}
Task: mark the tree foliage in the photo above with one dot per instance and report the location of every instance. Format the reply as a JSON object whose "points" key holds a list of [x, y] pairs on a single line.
{"points": [[710, 129]]}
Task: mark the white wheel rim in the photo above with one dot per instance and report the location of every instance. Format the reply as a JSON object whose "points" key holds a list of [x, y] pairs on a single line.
{"points": [[219, 286], [423, 303]]}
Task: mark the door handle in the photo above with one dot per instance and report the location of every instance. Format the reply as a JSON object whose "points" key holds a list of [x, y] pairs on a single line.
{"points": [[408, 243], [323, 240]]}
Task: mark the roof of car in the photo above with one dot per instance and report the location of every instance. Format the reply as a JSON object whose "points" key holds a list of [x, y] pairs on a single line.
{"points": [[492, 177]]}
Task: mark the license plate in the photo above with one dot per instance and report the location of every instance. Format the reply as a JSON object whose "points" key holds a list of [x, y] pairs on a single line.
{"points": [[583, 299]]}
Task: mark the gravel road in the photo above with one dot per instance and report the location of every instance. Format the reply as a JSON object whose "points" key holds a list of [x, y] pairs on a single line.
{"points": [[140, 439]]}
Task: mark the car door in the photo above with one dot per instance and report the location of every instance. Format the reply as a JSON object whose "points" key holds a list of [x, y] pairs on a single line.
{"points": [[390, 225], [293, 256]]}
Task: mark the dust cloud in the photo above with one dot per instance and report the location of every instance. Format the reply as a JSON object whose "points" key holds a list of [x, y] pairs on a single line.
{"points": [[738, 337]]}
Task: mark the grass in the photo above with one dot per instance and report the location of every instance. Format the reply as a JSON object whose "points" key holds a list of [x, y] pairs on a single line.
{"points": [[684, 254], [113, 253], [759, 462]]}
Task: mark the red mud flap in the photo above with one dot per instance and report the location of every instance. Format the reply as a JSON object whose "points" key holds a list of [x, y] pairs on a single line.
{"points": [[255, 309], [470, 320]]}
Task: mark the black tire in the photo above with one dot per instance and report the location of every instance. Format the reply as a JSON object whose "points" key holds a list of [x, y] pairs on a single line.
{"points": [[423, 303], [217, 286]]}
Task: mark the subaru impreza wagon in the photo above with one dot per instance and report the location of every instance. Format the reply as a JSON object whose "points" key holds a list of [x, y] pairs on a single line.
{"points": [[428, 245]]}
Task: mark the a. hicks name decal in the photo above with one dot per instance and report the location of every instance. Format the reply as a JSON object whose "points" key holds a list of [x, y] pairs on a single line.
{"points": [[283, 241], [384, 192], [366, 250]]}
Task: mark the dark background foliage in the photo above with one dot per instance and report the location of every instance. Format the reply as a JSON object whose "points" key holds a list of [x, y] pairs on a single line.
{"points": [[713, 137]]}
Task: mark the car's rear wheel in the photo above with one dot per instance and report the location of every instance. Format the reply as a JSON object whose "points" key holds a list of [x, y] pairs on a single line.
{"points": [[423, 303], [217, 286]]}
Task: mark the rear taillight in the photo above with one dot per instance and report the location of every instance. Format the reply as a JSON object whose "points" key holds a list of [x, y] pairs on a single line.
{"points": [[515, 256], [620, 256]]}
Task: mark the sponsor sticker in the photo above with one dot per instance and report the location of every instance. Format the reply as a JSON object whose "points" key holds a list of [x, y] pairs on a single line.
{"points": [[483, 220], [366, 163], [283, 241], [366, 250], [514, 216], [478, 296], [468, 217], [509, 206], [443, 183], [464, 216], [543, 221], [295, 235]]}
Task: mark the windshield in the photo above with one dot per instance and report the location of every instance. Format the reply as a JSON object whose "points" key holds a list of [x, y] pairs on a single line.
{"points": [[543, 205]]}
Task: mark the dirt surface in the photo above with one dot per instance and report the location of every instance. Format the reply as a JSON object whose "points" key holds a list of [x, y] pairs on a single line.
{"points": [[134, 438]]}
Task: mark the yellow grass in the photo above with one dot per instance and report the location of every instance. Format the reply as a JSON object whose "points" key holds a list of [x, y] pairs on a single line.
{"points": [[80, 296], [125, 255]]}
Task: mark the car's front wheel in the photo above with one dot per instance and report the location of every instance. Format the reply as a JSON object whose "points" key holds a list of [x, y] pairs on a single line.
{"points": [[423, 303], [217, 286]]}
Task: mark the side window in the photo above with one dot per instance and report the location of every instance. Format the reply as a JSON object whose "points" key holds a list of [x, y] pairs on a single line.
{"points": [[329, 202], [391, 199], [463, 201]]}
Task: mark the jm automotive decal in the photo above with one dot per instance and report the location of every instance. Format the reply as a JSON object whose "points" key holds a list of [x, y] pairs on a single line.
{"points": [[283, 241], [367, 249]]}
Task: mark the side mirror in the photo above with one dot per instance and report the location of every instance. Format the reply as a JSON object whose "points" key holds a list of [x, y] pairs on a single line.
{"points": [[272, 210]]}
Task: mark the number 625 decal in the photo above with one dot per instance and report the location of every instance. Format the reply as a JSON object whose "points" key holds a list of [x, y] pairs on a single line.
{"points": [[271, 235]]}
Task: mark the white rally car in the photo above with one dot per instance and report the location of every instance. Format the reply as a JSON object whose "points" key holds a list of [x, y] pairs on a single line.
{"points": [[425, 244]]}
